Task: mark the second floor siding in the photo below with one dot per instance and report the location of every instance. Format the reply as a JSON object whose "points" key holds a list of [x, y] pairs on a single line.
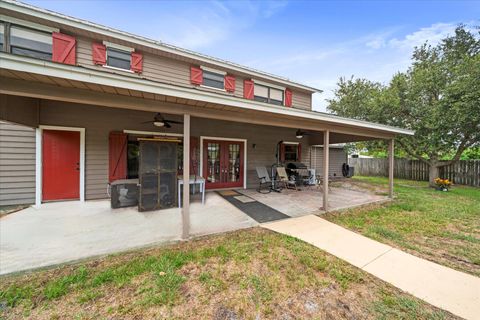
{"points": [[170, 68]]}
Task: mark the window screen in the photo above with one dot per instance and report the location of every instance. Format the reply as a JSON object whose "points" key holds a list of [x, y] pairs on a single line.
{"points": [[2, 35], [32, 43], [214, 80], [118, 58], [267, 94], [276, 96]]}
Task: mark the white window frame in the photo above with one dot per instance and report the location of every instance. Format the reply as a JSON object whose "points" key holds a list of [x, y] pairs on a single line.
{"points": [[39, 161], [245, 163], [208, 69], [118, 47], [272, 86]]}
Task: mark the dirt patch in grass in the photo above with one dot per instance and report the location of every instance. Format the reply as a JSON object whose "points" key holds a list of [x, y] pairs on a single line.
{"points": [[443, 227], [249, 274]]}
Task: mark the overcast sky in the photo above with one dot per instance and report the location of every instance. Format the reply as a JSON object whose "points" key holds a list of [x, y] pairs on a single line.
{"points": [[310, 42]]}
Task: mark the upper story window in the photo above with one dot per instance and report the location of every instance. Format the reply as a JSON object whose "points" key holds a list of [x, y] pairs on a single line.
{"points": [[268, 94], [30, 42], [26, 38], [118, 56], [214, 80]]}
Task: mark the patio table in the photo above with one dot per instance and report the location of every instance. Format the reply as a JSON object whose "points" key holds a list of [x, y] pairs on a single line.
{"points": [[194, 180]]}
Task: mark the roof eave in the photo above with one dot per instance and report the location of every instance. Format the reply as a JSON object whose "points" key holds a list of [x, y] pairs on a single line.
{"points": [[125, 36]]}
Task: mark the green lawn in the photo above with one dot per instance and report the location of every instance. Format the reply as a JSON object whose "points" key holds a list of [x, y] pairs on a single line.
{"points": [[248, 274], [440, 226]]}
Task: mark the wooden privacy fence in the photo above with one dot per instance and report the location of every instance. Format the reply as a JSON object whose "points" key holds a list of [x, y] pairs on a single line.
{"points": [[466, 172]]}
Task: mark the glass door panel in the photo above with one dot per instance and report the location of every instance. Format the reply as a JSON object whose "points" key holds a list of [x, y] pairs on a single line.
{"points": [[233, 162], [223, 164], [213, 162]]}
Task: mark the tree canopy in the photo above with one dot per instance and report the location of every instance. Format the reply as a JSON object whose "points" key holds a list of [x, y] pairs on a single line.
{"points": [[438, 97]]}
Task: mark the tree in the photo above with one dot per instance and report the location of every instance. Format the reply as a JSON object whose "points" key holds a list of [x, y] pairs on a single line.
{"points": [[438, 97]]}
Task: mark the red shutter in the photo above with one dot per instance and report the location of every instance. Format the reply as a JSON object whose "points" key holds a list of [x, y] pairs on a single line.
{"points": [[196, 75], [137, 62], [288, 97], [248, 86], [299, 152], [63, 48], [194, 156], [99, 53], [230, 83], [117, 156]]}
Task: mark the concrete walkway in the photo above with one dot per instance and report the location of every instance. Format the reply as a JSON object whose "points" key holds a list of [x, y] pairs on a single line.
{"points": [[445, 288]]}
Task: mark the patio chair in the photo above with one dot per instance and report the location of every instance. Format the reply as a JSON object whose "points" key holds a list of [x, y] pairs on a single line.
{"points": [[265, 184], [283, 179], [304, 177]]}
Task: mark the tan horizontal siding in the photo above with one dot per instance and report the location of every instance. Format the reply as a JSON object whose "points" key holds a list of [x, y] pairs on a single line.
{"points": [[337, 158], [172, 71], [98, 122], [17, 164]]}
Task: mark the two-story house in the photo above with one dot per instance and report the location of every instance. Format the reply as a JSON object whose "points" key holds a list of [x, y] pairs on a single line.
{"points": [[97, 100]]}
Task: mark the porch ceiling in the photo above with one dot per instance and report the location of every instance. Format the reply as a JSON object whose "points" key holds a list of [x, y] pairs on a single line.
{"points": [[34, 85]]}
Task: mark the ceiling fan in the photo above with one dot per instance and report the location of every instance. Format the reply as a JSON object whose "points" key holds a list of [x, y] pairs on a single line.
{"points": [[160, 121], [300, 133]]}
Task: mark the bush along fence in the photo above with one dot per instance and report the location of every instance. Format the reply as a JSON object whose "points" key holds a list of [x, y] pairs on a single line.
{"points": [[466, 172]]}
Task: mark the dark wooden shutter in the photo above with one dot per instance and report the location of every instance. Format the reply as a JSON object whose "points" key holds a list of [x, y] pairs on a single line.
{"points": [[194, 156], [299, 152], [282, 152], [288, 97], [117, 156], [248, 87], [63, 48], [196, 75], [99, 54], [230, 83], [136, 65]]}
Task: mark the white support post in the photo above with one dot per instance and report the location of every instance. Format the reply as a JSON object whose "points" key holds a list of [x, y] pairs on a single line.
{"points": [[186, 177], [326, 151], [390, 167]]}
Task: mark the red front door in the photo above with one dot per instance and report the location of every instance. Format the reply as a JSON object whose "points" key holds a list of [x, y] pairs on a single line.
{"points": [[223, 163], [60, 165]]}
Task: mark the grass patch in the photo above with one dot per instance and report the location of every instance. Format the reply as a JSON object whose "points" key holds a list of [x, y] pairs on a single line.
{"points": [[440, 226], [242, 274]]}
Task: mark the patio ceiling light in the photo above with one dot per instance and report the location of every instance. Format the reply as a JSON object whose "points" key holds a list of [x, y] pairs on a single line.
{"points": [[299, 134]]}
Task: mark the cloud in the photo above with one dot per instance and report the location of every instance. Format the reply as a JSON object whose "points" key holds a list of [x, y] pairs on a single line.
{"points": [[201, 25], [433, 34]]}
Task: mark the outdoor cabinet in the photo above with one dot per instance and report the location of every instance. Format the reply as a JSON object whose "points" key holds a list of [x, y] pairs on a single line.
{"points": [[157, 174]]}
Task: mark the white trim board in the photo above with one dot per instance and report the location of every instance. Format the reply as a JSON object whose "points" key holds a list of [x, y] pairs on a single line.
{"points": [[39, 158], [153, 133], [245, 163]]}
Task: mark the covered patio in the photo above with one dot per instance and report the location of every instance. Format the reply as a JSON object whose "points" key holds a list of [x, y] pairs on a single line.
{"points": [[97, 102], [72, 231]]}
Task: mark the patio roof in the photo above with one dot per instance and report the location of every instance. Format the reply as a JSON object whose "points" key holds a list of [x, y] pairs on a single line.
{"points": [[41, 79]]}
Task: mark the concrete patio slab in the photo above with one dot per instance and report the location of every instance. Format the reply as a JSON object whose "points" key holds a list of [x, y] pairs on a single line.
{"points": [[67, 231], [299, 203], [445, 288]]}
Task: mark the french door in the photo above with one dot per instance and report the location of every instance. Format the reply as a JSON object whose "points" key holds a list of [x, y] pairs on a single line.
{"points": [[223, 163]]}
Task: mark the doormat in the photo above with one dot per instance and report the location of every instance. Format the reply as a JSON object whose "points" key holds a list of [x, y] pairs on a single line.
{"points": [[226, 193], [254, 209]]}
